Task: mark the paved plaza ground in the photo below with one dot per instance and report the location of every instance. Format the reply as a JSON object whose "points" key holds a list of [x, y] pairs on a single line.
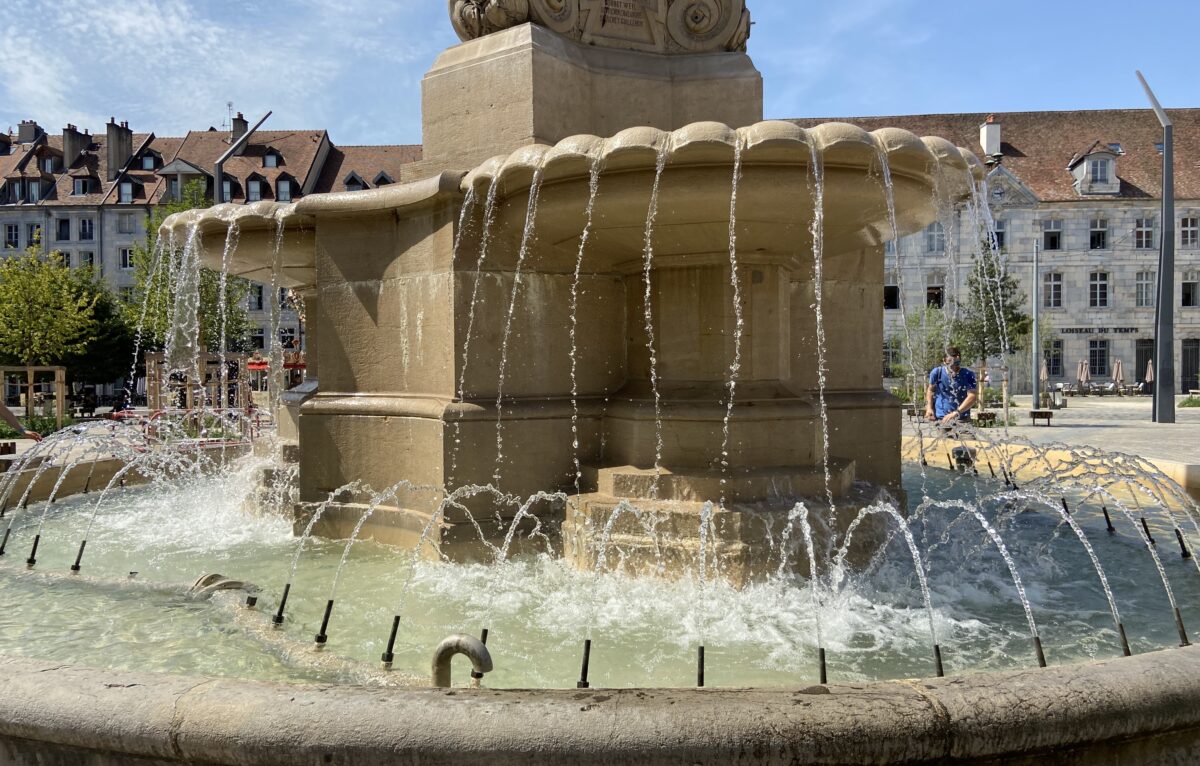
{"points": [[1116, 423]]}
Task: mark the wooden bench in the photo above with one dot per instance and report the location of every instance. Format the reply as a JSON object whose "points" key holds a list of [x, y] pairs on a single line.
{"points": [[985, 418], [1036, 415]]}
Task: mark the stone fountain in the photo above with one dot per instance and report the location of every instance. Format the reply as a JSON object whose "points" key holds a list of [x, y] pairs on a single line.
{"points": [[611, 289], [542, 309]]}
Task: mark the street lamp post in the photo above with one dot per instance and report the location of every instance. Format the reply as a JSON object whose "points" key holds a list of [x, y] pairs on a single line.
{"points": [[1164, 312], [1036, 351]]}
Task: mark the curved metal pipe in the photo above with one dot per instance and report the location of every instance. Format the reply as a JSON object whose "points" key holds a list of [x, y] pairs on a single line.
{"points": [[472, 647]]}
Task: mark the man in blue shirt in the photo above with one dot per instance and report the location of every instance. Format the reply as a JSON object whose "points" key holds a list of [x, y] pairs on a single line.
{"points": [[951, 391]]}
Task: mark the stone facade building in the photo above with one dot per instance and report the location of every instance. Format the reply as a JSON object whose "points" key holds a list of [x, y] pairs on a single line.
{"points": [[1085, 187], [90, 196]]}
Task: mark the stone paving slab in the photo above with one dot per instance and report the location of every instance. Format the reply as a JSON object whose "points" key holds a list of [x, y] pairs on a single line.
{"points": [[1120, 424]]}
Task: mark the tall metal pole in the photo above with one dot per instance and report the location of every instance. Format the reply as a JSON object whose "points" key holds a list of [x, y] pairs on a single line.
{"points": [[1164, 324], [219, 167], [1036, 351]]}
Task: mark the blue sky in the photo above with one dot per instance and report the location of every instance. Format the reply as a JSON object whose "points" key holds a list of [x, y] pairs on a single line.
{"points": [[355, 66]]}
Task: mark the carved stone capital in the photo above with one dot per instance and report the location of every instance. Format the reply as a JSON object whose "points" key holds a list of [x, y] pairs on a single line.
{"points": [[654, 26]]}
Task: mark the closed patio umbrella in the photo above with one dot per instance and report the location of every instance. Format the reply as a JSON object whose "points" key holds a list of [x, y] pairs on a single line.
{"points": [[1085, 372], [1149, 371], [1118, 373]]}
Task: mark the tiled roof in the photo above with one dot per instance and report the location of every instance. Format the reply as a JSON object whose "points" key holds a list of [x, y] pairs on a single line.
{"points": [[12, 164], [1038, 146], [93, 163], [367, 162], [298, 150]]}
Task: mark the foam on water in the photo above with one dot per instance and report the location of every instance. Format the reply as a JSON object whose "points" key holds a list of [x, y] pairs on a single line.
{"points": [[875, 622]]}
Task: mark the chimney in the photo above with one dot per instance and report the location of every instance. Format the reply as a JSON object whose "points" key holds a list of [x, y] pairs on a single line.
{"points": [[238, 128], [120, 147], [28, 132], [74, 144], [989, 137]]}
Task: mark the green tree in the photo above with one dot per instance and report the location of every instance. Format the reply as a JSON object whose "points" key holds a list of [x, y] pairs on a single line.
{"points": [[922, 343], [109, 354], [156, 287], [44, 315], [992, 321]]}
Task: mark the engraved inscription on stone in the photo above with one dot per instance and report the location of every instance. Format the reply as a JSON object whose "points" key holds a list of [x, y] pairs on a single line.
{"points": [[627, 13]]}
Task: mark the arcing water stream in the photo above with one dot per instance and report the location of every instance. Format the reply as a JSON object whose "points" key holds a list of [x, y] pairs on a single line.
{"points": [[977, 565]]}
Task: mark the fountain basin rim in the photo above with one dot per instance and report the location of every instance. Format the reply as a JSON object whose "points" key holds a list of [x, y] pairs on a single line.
{"points": [[772, 142], [402, 198], [1149, 703]]}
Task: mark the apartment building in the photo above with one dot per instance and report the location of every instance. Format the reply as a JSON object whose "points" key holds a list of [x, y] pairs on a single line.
{"points": [[90, 196], [1085, 187]]}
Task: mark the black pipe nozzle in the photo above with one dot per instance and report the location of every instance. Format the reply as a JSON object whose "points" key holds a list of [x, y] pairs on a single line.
{"points": [[322, 636], [587, 657], [1041, 655], [389, 654], [32, 560], [277, 618]]}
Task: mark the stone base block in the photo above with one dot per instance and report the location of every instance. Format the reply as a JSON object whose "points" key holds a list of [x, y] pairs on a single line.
{"points": [[743, 485], [741, 541]]}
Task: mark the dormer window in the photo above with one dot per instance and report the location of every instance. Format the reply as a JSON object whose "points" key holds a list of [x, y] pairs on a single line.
{"points": [[48, 165], [283, 190], [125, 193], [148, 162], [271, 159], [226, 191], [81, 186], [1095, 169], [253, 190], [383, 179], [33, 191], [354, 182]]}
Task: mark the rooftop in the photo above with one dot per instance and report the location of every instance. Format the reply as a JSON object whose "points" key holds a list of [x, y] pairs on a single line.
{"points": [[1037, 147]]}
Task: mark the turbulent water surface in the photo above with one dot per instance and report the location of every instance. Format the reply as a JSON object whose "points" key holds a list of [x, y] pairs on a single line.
{"points": [[539, 610]]}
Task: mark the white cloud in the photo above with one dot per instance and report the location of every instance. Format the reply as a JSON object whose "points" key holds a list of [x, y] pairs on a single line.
{"points": [[171, 65]]}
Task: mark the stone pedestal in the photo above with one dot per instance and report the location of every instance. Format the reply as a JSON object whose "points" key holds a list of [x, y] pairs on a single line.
{"points": [[530, 85]]}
